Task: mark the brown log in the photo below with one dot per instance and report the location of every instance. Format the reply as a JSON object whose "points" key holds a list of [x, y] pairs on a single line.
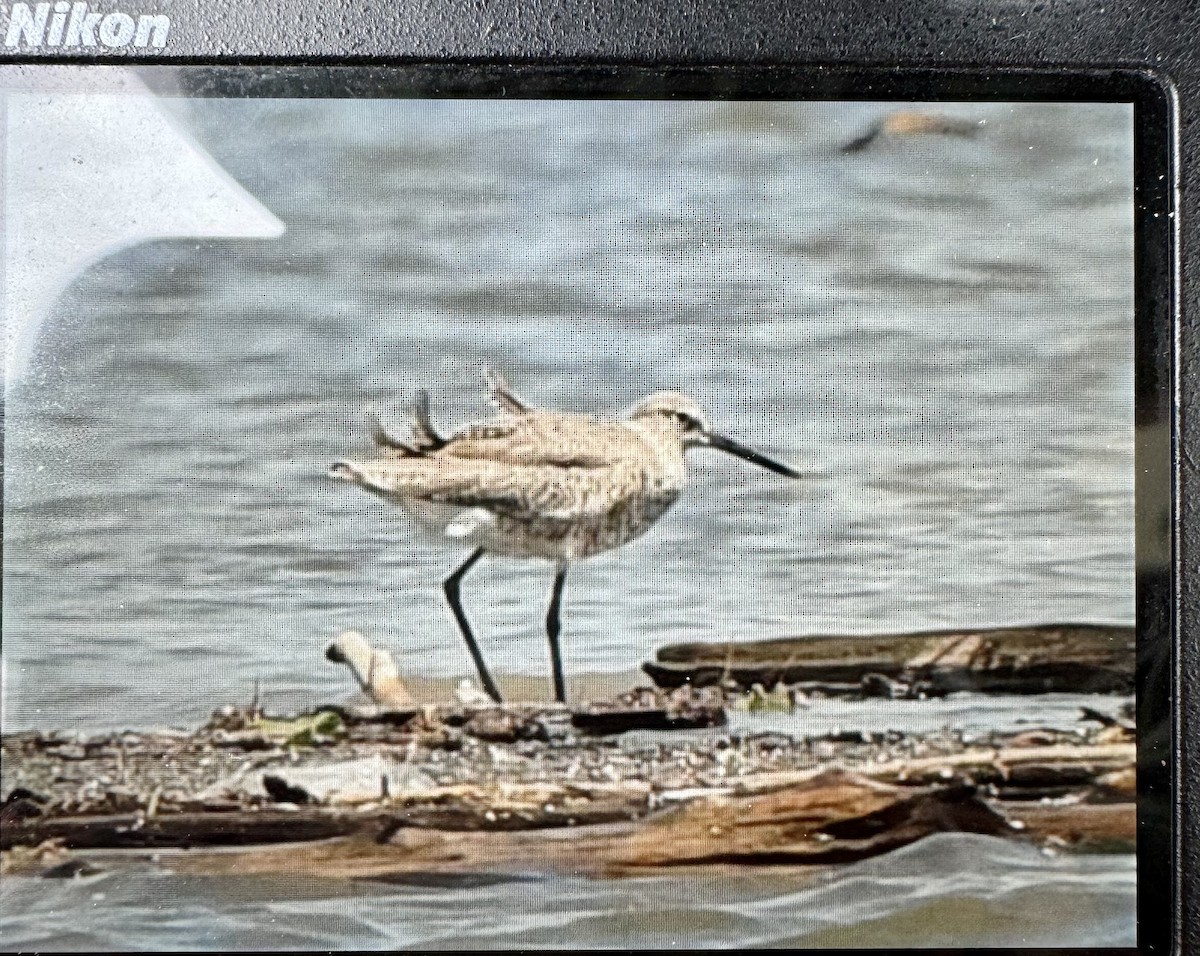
{"points": [[1039, 659], [621, 720], [833, 818], [1093, 761], [830, 818], [451, 809], [136, 831], [1096, 827]]}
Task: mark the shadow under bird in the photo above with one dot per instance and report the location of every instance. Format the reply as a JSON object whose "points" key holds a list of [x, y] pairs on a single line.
{"points": [[541, 484]]}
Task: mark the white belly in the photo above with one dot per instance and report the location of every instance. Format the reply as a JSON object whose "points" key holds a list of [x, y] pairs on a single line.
{"points": [[555, 539]]}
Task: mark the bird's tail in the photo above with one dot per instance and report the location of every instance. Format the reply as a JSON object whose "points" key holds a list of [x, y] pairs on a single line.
{"points": [[391, 477], [381, 437]]}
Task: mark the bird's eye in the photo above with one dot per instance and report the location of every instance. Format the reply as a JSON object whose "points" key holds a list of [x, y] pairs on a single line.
{"points": [[689, 422]]}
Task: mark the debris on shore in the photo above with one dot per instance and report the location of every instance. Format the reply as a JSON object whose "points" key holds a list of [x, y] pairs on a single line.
{"points": [[647, 779], [373, 668], [446, 771]]}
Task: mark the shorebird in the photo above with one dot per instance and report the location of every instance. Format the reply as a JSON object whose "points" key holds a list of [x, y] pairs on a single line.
{"points": [[544, 484], [912, 123]]}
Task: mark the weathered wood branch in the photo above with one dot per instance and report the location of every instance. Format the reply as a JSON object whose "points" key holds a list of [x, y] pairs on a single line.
{"points": [[1017, 660], [1092, 761], [831, 818], [456, 808]]}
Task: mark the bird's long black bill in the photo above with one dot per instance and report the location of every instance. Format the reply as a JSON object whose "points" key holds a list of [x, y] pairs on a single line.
{"points": [[749, 454]]}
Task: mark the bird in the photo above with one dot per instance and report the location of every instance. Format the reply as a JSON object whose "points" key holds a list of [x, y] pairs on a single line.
{"points": [[535, 483], [913, 123]]}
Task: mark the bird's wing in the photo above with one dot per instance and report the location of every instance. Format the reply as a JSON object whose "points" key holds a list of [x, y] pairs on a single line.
{"points": [[521, 492], [541, 492], [550, 439]]}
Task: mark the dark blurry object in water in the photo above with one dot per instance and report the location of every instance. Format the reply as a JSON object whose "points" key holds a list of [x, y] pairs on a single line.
{"points": [[912, 123], [72, 869]]}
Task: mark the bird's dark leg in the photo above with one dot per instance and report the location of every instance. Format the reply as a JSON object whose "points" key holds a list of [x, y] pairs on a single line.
{"points": [[451, 588], [553, 629]]}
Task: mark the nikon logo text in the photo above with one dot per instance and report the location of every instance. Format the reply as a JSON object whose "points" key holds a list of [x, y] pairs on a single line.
{"points": [[65, 24]]}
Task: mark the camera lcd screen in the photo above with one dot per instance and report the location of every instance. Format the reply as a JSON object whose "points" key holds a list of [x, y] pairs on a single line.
{"points": [[525, 514]]}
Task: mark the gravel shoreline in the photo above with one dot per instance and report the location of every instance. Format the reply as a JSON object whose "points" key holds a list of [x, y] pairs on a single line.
{"points": [[222, 765]]}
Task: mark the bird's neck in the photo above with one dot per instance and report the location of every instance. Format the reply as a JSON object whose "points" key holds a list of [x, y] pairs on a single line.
{"points": [[667, 469]]}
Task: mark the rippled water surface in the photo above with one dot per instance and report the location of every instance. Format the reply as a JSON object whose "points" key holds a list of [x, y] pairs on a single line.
{"points": [[936, 330], [948, 890]]}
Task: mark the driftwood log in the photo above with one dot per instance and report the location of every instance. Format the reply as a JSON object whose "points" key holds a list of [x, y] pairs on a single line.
{"points": [[833, 818], [399, 789], [452, 809], [798, 818], [1018, 660]]}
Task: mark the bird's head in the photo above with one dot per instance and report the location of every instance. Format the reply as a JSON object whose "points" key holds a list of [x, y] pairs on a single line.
{"points": [[675, 413], [681, 416]]}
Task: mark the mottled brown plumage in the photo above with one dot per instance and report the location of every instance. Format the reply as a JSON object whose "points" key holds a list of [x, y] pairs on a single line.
{"points": [[540, 484]]}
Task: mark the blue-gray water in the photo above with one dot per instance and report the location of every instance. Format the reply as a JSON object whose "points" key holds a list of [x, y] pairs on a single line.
{"points": [[937, 330], [949, 890]]}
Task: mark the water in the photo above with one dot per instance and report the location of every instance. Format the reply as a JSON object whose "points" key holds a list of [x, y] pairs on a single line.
{"points": [[950, 890], [937, 331]]}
